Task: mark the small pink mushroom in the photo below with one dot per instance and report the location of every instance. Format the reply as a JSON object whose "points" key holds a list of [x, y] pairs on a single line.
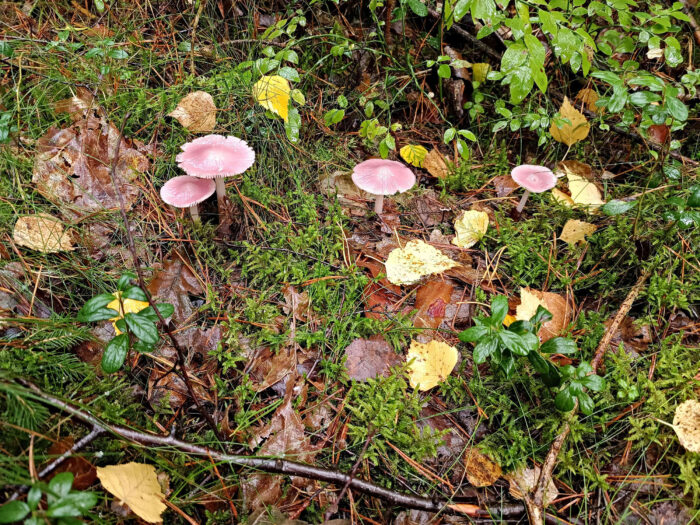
{"points": [[382, 177], [186, 192], [216, 157], [534, 179]]}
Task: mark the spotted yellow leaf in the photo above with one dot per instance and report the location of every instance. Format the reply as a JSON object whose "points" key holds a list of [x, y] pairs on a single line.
{"points": [[273, 92], [135, 485], [574, 132], [576, 231], [196, 112], [470, 227], [414, 154], [429, 363], [124, 306], [408, 264]]}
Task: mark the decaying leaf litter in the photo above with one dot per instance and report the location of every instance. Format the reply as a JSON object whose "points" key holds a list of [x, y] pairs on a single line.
{"points": [[321, 333]]}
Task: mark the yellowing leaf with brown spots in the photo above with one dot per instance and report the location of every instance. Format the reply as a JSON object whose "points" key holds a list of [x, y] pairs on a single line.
{"points": [[42, 232], [555, 304], [470, 227], [686, 423], [430, 363], [434, 163], [589, 97], [481, 471], [125, 306], [408, 264], [273, 92], [414, 154], [196, 112], [574, 132], [135, 485], [575, 231]]}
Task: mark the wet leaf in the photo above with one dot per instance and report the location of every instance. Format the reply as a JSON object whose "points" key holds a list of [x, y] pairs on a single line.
{"points": [[576, 130], [136, 485], [470, 227], [273, 93], [686, 423], [432, 299], [414, 154], [434, 163], [408, 264], [42, 232], [84, 473], [588, 97], [480, 70], [480, 470], [530, 299], [430, 363], [196, 112], [576, 231], [369, 358], [175, 283], [124, 306]]}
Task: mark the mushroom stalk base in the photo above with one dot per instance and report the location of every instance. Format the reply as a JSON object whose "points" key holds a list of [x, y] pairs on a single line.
{"points": [[379, 204], [195, 214], [522, 202], [220, 191]]}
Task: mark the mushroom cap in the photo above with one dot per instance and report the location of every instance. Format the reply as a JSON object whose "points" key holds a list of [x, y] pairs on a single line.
{"points": [[214, 156], [535, 179], [185, 191], [383, 177]]}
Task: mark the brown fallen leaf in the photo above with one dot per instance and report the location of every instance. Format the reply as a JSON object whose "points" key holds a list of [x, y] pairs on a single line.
{"points": [[505, 185], [369, 358], [522, 481], [659, 133], [588, 97], [42, 232], [634, 339], [432, 299], [175, 283], [480, 470], [434, 163], [77, 106], [575, 231], [196, 112], [84, 473], [560, 309], [297, 304], [269, 369]]}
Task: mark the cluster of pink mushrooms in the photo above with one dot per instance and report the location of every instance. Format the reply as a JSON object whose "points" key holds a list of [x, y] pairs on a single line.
{"points": [[207, 161]]}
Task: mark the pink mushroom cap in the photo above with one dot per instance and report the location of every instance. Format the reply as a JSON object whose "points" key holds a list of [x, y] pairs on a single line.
{"points": [[214, 156], [383, 177], [534, 179], [185, 191]]}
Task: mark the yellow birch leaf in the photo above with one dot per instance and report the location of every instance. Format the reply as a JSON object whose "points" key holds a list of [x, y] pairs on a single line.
{"points": [[196, 112], [562, 198], [584, 193], [272, 93], [135, 485], [470, 227], [508, 320], [414, 154], [434, 163], [555, 304], [575, 231], [574, 132], [686, 423], [125, 306], [481, 471], [408, 264], [42, 232], [430, 363], [589, 97]]}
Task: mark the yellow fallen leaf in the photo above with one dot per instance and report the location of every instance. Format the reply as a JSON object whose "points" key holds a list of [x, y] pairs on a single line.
{"points": [[430, 363], [470, 227], [589, 97], [480, 70], [481, 471], [562, 198], [575, 231], [42, 232], [196, 112], [686, 423], [272, 93], [574, 132], [508, 320], [555, 304], [125, 306], [414, 154], [434, 163], [136, 485], [584, 193], [408, 264]]}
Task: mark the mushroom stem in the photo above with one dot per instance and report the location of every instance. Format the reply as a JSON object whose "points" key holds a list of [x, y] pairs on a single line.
{"points": [[195, 214], [379, 204], [220, 190], [522, 202]]}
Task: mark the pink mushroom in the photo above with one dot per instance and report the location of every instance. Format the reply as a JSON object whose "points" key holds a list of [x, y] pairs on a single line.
{"points": [[216, 157], [186, 192], [382, 177], [534, 179]]}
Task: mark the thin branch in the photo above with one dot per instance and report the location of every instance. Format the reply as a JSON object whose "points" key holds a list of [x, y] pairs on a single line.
{"points": [[495, 55]]}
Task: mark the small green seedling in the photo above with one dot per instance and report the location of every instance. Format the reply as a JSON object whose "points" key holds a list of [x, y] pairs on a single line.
{"points": [[63, 505], [577, 379]]}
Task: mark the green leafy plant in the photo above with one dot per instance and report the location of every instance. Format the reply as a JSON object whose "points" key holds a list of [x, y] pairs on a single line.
{"points": [[63, 505], [576, 381], [134, 322]]}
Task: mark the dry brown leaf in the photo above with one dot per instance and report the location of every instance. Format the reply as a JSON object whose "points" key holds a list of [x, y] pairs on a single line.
{"points": [[297, 304], [480, 470], [575, 231], [466, 508], [432, 299], [42, 232], [196, 112], [505, 185], [560, 309], [574, 132], [434, 163], [136, 485], [588, 97], [369, 358], [686, 423], [524, 480]]}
